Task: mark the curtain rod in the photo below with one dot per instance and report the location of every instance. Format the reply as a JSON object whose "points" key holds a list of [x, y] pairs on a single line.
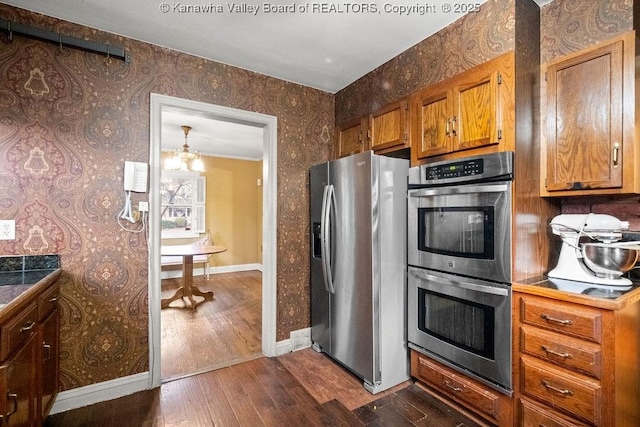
{"points": [[51, 36]]}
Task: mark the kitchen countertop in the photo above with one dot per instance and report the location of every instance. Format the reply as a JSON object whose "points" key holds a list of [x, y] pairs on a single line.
{"points": [[22, 275], [544, 286]]}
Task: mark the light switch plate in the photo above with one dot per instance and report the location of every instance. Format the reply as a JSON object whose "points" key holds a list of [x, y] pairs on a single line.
{"points": [[8, 229]]}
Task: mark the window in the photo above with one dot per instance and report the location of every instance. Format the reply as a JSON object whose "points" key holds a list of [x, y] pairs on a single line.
{"points": [[183, 204]]}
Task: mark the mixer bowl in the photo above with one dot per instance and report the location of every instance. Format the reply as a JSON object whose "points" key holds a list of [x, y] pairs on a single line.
{"points": [[608, 261]]}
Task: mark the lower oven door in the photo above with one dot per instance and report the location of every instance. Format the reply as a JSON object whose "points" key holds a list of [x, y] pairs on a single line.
{"points": [[464, 323]]}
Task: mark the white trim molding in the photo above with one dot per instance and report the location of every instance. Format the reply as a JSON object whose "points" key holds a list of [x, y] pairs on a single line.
{"points": [[100, 392], [269, 124]]}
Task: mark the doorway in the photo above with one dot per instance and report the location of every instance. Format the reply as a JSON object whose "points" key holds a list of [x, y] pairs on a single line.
{"points": [[163, 103]]}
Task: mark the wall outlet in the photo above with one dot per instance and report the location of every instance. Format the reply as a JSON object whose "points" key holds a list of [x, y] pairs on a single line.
{"points": [[8, 229], [143, 206]]}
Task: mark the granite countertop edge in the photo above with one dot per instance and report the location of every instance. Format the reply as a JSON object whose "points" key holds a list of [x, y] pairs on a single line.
{"points": [[536, 286], [11, 295]]}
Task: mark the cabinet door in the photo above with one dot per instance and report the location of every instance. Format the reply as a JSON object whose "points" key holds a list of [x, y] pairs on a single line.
{"points": [[433, 125], [18, 382], [50, 333], [476, 113], [351, 138], [389, 126], [585, 120]]}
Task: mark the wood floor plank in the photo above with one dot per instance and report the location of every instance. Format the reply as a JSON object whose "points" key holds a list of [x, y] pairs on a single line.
{"points": [[217, 403], [243, 408]]}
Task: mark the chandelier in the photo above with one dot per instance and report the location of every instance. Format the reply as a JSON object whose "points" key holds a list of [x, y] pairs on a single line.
{"points": [[184, 160]]}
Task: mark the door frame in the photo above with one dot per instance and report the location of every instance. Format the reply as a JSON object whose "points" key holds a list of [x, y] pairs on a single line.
{"points": [[160, 103]]}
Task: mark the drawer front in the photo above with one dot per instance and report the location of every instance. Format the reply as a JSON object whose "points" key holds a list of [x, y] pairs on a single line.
{"points": [[455, 385], [563, 318], [18, 329], [535, 416], [570, 353], [575, 395], [48, 301]]}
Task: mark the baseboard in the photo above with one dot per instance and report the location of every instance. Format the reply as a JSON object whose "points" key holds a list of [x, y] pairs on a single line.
{"points": [[297, 341], [100, 392], [176, 274]]}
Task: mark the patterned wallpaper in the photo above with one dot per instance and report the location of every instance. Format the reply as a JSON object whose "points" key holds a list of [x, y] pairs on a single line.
{"points": [[571, 25], [69, 120], [469, 41]]}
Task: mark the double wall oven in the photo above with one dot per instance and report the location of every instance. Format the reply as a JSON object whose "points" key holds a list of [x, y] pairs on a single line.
{"points": [[459, 273]]}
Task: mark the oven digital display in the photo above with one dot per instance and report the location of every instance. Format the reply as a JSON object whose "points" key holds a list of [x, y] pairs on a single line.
{"points": [[455, 170]]}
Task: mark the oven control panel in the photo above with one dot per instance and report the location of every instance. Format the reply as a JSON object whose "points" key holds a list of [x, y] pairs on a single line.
{"points": [[490, 167], [455, 170]]}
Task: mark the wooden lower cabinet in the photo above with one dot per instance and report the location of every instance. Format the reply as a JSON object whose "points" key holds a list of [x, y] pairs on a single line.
{"points": [[18, 381], [29, 351], [474, 399], [575, 363]]}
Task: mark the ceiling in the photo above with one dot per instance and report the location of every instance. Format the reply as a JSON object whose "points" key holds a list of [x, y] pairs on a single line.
{"points": [[328, 46]]}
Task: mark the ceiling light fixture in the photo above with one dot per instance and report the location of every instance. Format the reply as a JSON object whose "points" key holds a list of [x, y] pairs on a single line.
{"points": [[178, 160]]}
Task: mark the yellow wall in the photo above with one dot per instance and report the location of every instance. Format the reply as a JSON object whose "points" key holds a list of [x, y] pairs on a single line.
{"points": [[234, 210]]}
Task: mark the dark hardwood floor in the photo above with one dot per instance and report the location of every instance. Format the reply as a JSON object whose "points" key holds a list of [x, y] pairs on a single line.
{"points": [[236, 386]]}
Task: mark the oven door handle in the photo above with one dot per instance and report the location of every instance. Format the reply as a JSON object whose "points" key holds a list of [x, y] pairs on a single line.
{"points": [[463, 189], [325, 237], [494, 290]]}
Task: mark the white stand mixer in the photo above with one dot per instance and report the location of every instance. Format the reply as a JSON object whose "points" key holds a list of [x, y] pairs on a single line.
{"points": [[570, 227]]}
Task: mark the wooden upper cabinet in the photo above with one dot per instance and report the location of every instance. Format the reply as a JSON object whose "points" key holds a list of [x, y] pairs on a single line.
{"points": [[584, 120], [476, 116], [433, 122], [461, 113], [351, 138], [590, 117], [389, 127]]}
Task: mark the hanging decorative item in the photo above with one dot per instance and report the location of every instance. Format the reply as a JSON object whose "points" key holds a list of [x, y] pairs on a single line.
{"points": [[184, 160]]}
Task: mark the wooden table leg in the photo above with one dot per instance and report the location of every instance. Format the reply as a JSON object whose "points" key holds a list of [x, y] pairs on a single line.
{"points": [[187, 289]]}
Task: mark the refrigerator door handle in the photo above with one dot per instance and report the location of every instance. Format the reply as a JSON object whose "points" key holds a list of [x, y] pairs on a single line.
{"points": [[325, 237]]}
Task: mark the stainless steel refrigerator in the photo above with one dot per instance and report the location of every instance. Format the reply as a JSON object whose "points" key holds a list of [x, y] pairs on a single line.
{"points": [[358, 266]]}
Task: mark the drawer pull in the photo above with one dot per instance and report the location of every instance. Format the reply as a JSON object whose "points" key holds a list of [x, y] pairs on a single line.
{"points": [[47, 351], [28, 326], [13, 397], [564, 392], [555, 353], [53, 299], [452, 387], [555, 320]]}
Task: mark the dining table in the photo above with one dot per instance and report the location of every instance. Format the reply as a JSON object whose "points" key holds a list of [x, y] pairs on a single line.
{"points": [[188, 289]]}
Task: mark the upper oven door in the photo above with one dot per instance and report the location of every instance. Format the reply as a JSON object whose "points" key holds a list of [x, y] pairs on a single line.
{"points": [[464, 230]]}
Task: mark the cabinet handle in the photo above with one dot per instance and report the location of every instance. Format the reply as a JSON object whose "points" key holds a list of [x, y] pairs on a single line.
{"points": [[453, 126], [451, 386], [447, 128], [47, 352], [53, 299], [14, 398], [28, 326], [555, 320], [555, 353], [616, 150], [564, 392]]}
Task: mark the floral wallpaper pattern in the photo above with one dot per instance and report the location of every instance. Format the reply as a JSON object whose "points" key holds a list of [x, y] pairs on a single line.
{"points": [[68, 121]]}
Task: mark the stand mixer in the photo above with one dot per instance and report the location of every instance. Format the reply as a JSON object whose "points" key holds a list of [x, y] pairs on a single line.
{"points": [[571, 265]]}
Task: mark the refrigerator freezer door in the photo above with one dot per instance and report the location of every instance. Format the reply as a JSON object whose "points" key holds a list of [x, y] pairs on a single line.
{"points": [[353, 234], [320, 317]]}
